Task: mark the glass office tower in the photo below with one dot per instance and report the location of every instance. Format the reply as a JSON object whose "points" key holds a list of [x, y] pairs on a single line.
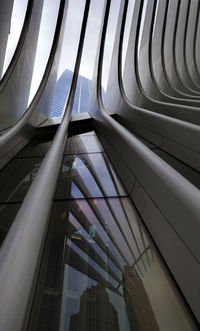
{"points": [[61, 92]]}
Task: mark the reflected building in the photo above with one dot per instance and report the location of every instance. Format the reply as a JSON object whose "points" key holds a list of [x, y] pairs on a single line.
{"points": [[139, 310], [96, 313], [100, 265]]}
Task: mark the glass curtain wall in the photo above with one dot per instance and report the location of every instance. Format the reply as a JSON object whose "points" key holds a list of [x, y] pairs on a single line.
{"points": [[100, 270], [15, 180]]}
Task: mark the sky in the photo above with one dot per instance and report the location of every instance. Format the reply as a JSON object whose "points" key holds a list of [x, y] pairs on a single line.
{"points": [[71, 36]]}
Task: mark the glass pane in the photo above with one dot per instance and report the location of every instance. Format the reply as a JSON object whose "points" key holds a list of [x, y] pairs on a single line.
{"points": [[34, 149], [87, 175], [7, 215], [16, 178], [102, 272]]}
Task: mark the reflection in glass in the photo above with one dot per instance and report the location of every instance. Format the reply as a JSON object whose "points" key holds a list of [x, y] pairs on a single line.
{"points": [[96, 312], [94, 282], [88, 175], [34, 149], [7, 215], [100, 269], [16, 178]]}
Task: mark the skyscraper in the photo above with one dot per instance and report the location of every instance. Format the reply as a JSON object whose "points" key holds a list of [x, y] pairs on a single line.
{"points": [[81, 99], [61, 93], [117, 207], [95, 313]]}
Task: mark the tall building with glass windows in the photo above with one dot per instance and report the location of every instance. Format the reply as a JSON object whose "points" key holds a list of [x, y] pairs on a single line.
{"points": [[61, 92]]}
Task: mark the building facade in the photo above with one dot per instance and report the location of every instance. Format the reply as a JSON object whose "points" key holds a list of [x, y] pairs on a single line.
{"points": [[81, 98], [61, 93]]}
